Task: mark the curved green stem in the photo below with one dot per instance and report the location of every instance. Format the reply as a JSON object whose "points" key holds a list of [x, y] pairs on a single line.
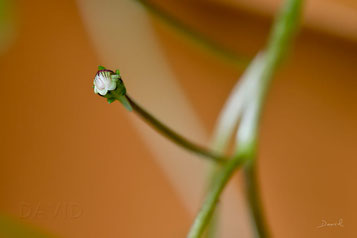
{"points": [[209, 205], [281, 35], [280, 39], [171, 134], [200, 40], [253, 197]]}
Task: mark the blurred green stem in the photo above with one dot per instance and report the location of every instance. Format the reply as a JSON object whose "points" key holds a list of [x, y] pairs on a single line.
{"points": [[255, 205], [228, 120], [237, 61], [280, 39], [281, 35], [213, 195]]}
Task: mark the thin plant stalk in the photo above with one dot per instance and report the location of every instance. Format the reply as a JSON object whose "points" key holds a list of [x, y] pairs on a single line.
{"points": [[228, 121], [280, 39], [283, 30], [212, 198], [254, 199], [227, 55], [172, 135]]}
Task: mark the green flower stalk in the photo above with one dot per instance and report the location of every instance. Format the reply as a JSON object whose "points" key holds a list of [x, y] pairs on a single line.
{"points": [[110, 85]]}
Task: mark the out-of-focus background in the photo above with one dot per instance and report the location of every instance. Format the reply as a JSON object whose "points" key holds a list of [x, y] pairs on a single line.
{"points": [[73, 166]]}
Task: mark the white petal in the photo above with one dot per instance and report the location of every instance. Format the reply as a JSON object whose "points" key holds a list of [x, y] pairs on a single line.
{"points": [[102, 91], [112, 86], [99, 83], [105, 77]]}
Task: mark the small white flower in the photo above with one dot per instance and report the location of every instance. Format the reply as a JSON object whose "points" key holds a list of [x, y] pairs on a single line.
{"points": [[104, 81]]}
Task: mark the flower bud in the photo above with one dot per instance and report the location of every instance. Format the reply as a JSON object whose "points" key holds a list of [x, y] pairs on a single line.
{"points": [[104, 81], [109, 85]]}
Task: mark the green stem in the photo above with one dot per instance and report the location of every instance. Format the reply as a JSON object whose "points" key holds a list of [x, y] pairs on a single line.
{"points": [[209, 205], [252, 193], [200, 40], [280, 39], [172, 135], [281, 35]]}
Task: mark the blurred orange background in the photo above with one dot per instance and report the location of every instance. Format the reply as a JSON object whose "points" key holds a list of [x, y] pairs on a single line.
{"points": [[75, 166]]}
